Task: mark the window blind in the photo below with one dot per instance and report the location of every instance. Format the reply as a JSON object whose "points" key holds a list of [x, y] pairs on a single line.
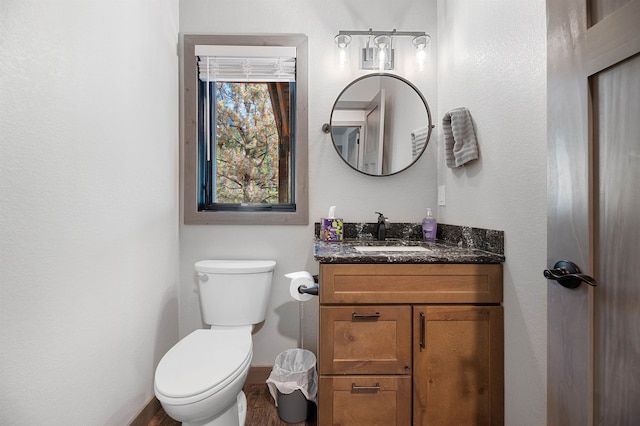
{"points": [[246, 63]]}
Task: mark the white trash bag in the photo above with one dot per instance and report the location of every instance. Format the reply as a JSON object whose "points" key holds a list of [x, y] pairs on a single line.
{"points": [[294, 369]]}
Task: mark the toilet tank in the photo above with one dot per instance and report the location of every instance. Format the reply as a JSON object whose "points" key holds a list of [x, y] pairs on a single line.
{"points": [[234, 292]]}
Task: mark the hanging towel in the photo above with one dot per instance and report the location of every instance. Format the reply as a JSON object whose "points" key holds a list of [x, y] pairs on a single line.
{"points": [[460, 144], [418, 141]]}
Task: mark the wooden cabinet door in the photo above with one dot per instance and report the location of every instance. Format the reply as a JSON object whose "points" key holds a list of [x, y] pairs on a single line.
{"points": [[458, 358], [364, 400], [365, 339]]}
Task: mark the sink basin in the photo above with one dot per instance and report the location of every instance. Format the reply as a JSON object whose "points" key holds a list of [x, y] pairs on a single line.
{"points": [[390, 248]]}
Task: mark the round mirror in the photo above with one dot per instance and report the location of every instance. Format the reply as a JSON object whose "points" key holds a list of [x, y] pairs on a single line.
{"points": [[380, 124]]}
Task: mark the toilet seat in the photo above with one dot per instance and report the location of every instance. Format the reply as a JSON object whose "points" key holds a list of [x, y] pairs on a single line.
{"points": [[202, 363]]}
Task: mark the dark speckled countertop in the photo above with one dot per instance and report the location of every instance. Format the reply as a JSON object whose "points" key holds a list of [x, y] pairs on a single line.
{"points": [[454, 244]]}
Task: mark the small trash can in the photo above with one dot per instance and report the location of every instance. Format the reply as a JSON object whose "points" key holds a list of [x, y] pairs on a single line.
{"points": [[293, 384]]}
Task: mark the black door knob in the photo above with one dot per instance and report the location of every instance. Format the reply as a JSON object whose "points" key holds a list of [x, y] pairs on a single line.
{"points": [[568, 275]]}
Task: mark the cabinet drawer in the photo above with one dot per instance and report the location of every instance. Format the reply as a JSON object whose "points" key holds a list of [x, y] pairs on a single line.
{"points": [[364, 400], [365, 340], [410, 283]]}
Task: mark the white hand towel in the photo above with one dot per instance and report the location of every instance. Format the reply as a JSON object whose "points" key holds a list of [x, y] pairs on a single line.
{"points": [[460, 143]]}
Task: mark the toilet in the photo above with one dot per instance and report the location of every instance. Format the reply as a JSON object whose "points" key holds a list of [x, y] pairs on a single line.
{"points": [[199, 381]]}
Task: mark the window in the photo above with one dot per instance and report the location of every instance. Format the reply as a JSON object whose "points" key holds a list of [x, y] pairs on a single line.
{"points": [[245, 145], [245, 129]]}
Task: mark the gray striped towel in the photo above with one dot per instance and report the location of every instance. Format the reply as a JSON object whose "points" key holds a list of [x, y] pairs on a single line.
{"points": [[418, 141], [460, 144]]}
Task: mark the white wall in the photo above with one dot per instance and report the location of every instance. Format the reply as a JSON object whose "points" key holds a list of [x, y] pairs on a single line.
{"points": [[493, 61], [88, 207], [403, 198]]}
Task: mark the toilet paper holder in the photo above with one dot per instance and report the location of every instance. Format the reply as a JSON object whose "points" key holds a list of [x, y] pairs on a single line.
{"points": [[313, 290]]}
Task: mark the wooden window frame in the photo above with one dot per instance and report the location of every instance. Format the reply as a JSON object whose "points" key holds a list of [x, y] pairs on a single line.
{"points": [[189, 133]]}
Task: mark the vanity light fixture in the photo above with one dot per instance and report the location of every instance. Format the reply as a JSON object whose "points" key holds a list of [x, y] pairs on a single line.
{"points": [[422, 44], [379, 52], [343, 50], [384, 52]]}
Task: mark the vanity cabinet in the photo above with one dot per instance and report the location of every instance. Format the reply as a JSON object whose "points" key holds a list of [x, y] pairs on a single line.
{"points": [[405, 344]]}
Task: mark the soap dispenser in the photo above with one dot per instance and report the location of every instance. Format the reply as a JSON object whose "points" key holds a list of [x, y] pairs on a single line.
{"points": [[429, 227]]}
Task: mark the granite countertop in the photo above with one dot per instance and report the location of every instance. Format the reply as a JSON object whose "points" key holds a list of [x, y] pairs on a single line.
{"points": [[455, 244]]}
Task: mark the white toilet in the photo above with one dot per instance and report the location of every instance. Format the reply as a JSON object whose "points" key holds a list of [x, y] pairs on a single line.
{"points": [[199, 381]]}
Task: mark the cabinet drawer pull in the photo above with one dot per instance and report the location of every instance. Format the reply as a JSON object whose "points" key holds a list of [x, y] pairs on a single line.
{"points": [[422, 331], [356, 388], [371, 317]]}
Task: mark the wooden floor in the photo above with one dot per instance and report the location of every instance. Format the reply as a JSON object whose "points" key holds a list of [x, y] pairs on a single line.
{"points": [[261, 410]]}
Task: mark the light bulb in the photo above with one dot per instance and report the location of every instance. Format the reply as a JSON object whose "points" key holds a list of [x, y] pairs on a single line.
{"points": [[421, 44], [383, 46], [343, 41], [342, 58], [421, 56], [382, 58], [342, 50]]}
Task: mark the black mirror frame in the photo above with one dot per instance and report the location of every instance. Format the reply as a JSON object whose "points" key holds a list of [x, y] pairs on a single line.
{"points": [[430, 125]]}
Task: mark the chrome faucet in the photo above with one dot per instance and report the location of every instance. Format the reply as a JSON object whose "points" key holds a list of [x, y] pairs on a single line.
{"points": [[383, 224]]}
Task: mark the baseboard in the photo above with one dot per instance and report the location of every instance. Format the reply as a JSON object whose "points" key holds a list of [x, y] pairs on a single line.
{"points": [[257, 375], [147, 413]]}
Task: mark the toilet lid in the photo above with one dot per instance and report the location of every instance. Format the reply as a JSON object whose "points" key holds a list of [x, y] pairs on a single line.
{"points": [[201, 361], [235, 266]]}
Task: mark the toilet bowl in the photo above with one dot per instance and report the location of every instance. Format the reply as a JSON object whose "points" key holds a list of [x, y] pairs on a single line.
{"points": [[199, 381]]}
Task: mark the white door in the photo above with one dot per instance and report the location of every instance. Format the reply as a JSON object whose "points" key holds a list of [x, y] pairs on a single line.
{"points": [[372, 148], [594, 211], [353, 145]]}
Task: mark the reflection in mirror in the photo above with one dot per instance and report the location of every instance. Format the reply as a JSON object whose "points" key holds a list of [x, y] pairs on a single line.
{"points": [[380, 124]]}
